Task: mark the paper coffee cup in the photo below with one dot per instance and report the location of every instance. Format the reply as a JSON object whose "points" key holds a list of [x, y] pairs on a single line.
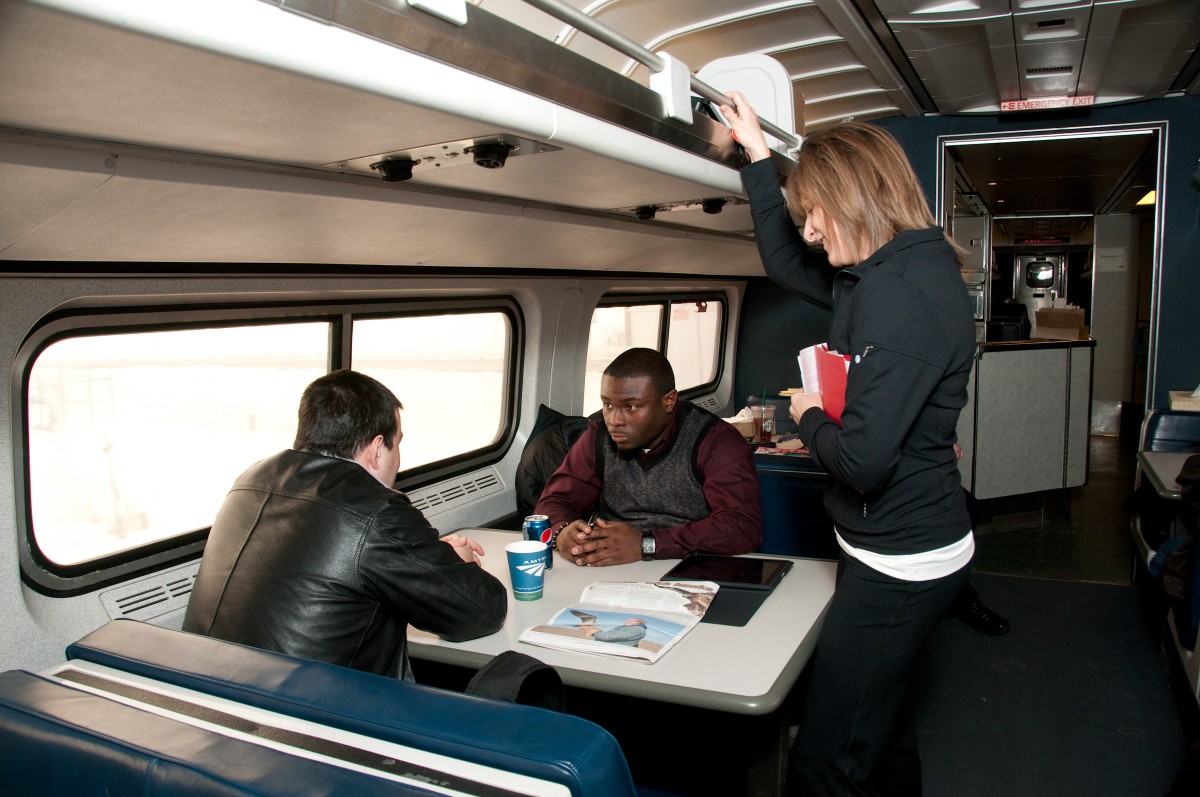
{"points": [[527, 568]]}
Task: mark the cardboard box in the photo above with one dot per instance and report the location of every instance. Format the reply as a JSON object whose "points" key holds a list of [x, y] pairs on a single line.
{"points": [[1065, 333], [1060, 323], [744, 425], [1060, 317], [1184, 400]]}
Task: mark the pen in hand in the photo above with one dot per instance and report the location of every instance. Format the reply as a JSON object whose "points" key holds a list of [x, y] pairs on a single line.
{"points": [[586, 533]]}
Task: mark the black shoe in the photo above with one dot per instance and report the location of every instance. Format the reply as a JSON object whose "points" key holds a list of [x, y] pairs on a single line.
{"points": [[983, 619]]}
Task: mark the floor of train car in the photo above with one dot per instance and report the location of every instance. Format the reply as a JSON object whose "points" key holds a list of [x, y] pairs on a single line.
{"points": [[1078, 698], [1082, 695]]}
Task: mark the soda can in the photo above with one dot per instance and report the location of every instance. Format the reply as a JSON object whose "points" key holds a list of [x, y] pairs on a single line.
{"points": [[537, 527]]}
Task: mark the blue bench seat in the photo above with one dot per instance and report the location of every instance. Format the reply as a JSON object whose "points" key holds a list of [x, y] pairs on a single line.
{"points": [[68, 735]]}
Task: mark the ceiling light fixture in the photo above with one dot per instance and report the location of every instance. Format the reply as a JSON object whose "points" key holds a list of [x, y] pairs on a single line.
{"points": [[1148, 199]]}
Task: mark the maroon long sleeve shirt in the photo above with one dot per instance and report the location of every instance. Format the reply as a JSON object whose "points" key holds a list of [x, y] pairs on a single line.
{"points": [[730, 485]]}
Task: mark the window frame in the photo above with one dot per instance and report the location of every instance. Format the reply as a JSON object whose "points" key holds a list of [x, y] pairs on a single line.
{"points": [[665, 301], [50, 578]]}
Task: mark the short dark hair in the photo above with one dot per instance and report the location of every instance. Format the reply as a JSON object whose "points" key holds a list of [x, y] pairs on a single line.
{"points": [[342, 412], [635, 363]]}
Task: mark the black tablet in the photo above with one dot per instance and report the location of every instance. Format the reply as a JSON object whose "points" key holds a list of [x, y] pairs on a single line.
{"points": [[730, 571]]}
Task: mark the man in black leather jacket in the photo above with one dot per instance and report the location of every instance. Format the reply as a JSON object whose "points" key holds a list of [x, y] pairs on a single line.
{"points": [[314, 554]]}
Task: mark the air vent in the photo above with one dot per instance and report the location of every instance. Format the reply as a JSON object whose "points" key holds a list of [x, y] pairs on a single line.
{"points": [[469, 488], [1049, 29], [1049, 71], [151, 597], [709, 403]]}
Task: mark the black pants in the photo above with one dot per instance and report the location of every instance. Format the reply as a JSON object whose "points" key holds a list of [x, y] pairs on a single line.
{"points": [[857, 735]]}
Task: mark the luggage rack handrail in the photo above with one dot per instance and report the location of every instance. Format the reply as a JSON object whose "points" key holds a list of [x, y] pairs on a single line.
{"points": [[618, 41]]}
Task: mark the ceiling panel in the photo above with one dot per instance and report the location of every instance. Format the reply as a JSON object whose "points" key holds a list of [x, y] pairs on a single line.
{"points": [[925, 55], [1150, 45], [771, 33], [955, 62], [963, 58]]}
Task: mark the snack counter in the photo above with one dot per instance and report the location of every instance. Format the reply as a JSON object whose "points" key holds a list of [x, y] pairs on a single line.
{"points": [[1026, 424]]}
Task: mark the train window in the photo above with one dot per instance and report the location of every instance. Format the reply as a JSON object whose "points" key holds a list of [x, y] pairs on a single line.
{"points": [[449, 371], [133, 434], [615, 329], [694, 342], [689, 330], [135, 438]]}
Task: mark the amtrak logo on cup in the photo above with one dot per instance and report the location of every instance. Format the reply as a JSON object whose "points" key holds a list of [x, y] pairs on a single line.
{"points": [[533, 570], [527, 568]]}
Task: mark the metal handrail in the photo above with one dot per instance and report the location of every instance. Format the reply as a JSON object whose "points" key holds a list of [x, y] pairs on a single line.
{"points": [[627, 46]]}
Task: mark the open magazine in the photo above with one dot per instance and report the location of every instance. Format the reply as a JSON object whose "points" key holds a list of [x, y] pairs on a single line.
{"points": [[632, 619]]}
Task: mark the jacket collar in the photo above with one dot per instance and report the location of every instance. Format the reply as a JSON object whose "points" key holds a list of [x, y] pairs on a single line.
{"points": [[904, 240], [663, 442]]}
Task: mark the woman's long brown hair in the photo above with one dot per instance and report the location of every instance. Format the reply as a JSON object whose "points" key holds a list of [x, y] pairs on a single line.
{"points": [[859, 176]]}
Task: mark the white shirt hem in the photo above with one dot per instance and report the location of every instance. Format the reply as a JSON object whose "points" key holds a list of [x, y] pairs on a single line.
{"points": [[924, 566]]}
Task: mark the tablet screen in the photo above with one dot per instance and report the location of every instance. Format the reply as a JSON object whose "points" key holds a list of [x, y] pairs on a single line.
{"points": [[734, 571]]}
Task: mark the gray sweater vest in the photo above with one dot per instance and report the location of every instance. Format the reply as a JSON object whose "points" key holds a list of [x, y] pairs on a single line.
{"points": [[656, 492]]}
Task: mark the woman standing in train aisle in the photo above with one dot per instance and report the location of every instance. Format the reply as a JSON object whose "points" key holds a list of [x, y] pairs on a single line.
{"points": [[900, 310]]}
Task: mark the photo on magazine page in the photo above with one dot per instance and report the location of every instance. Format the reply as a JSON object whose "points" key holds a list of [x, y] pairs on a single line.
{"points": [[639, 620]]}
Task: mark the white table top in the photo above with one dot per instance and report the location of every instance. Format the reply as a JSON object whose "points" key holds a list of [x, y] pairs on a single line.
{"points": [[742, 670], [1162, 467]]}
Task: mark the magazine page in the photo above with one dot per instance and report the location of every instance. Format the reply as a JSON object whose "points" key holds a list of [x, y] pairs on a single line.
{"points": [[639, 620], [810, 376]]}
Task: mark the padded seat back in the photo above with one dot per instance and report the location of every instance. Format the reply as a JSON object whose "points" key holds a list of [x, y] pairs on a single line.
{"points": [[1156, 521], [1170, 430], [552, 436], [62, 741], [572, 755]]}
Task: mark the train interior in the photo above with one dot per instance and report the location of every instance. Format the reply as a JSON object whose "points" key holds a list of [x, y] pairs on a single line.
{"points": [[203, 205]]}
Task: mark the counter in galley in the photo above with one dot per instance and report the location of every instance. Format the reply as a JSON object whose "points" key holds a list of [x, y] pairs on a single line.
{"points": [[1026, 424]]}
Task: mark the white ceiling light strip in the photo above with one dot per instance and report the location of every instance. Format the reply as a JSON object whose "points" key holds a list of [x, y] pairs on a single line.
{"points": [[715, 22], [816, 41], [846, 117], [820, 73], [845, 96]]}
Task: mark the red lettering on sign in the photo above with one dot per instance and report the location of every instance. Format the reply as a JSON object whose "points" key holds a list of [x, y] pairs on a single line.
{"points": [[1041, 103]]}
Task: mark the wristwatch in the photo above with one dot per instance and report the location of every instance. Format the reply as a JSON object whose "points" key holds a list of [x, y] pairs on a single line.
{"points": [[647, 546]]}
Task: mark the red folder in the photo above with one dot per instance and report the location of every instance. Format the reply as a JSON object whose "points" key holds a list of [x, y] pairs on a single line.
{"points": [[824, 371]]}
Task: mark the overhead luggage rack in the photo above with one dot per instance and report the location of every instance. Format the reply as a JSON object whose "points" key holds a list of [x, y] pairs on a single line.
{"points": [[491, 47], [657, 63], [266, 118]]}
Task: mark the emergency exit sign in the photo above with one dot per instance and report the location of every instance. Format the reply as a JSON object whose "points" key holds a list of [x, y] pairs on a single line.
{"points": [[1043, 240], [1042, 103]]}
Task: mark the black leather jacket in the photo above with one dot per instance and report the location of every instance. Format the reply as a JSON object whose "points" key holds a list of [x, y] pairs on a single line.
{"points": [[311, 556]]}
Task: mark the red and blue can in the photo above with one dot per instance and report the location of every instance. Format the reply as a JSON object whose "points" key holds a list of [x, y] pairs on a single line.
{"points": [[537, 527]]}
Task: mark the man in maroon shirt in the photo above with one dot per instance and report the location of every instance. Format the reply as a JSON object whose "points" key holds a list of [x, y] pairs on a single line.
{"points": [[658, 478]]}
